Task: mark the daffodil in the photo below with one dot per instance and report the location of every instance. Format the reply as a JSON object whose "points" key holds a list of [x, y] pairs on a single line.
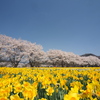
{"points": [[71, 96], [15, 97], [3, 98], [50, 90], [30, 93]]}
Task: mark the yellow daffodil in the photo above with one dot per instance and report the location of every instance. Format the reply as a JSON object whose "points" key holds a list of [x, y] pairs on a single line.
{"points": [[15, 97], [49, 90]]}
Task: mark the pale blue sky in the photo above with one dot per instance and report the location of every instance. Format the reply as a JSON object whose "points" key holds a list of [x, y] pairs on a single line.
{"points": [[67, 25]]}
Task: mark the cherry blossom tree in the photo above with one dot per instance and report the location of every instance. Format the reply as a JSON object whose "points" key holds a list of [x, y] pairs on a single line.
{"points": [[90, 61], [34, 54], [61, 58], [12, 50], [5, 42], [15, 51], [55, 57], [72, 59]]}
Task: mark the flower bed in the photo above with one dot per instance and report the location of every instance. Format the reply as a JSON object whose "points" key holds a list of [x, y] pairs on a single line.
{"points": [[49, 83]]}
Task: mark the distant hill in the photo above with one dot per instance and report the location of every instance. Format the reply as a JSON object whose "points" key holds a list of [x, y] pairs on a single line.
{"points": [[90, 54]]}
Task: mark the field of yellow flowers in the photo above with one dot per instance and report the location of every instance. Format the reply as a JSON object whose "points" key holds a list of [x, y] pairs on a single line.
{"points": [[49, 83]]}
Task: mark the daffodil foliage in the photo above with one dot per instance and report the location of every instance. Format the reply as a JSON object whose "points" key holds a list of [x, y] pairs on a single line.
{"points": [[49, 83]]}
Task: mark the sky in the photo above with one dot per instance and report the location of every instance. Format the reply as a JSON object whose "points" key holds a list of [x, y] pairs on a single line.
{"points": [[67, 25]]}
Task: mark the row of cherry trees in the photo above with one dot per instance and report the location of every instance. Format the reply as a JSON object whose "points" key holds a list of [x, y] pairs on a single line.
{"points": [[17, 52]]}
